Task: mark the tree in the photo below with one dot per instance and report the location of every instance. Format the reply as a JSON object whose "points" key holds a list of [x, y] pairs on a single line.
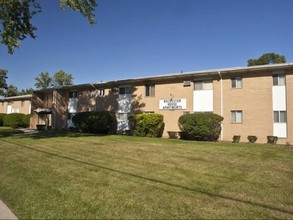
{"points": [[26, 91], [43, 81], [16, 15], [61, 78], [268, 58], [3, 84], [11, 91]]}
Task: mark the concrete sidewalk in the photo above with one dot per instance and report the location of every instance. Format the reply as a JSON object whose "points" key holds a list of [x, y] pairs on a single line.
{"points": [[5, 212]]}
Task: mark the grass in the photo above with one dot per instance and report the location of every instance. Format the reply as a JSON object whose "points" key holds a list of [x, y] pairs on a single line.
{"points": [[76, 176]]}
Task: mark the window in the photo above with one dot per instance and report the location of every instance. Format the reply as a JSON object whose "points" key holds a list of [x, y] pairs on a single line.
{"points": [[124, 90], [21, 103], [149, 90], [236, 116], [279, 79], [73, 94], [236, 82], [280, 116], [203, 85]]}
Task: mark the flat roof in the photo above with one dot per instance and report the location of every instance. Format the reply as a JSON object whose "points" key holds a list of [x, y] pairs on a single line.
{"points": [[20, 97], [203, 73]]}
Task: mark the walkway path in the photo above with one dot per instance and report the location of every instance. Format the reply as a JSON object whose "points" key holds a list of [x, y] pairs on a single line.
{"points": [[5, 212]]}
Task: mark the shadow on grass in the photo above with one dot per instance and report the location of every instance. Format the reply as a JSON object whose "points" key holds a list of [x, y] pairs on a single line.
{"points": [[22, 133], [247, 202]]}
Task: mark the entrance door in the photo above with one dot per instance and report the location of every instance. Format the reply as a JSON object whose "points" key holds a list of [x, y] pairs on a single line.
{"points": [[124, 108]]}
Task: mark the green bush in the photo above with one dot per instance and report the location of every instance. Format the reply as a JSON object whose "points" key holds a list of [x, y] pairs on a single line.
{"points": [[13, 120], [95, 122], [252, 138], [147, 125], [26, 121], [1, 118], [200, 126]]}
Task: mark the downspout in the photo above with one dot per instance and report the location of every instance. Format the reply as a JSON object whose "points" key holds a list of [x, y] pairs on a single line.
{"points": [[221, 104]]}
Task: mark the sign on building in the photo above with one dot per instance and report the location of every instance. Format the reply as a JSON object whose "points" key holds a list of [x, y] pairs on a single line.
{"points": [[172, 104]]}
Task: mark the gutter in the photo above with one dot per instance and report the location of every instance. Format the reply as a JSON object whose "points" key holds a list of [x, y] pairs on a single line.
{"points": [[221, 104]]}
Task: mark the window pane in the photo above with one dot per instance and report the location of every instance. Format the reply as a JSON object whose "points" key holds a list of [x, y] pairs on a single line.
{"points": [[198, 85], [208, 85], [275, 80], [121, 90], [233, 83], [238, 82], [281, 79], [127, 90], [238, 116], [276, 117], [147, 90], [283, 117], [233, 117]]}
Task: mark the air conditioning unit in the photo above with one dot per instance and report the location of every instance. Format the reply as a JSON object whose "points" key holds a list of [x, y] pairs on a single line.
{"points": [[186, 83]]}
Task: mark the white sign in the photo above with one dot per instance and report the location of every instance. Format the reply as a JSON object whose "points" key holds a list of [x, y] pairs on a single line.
{"points": [[172, 104]]}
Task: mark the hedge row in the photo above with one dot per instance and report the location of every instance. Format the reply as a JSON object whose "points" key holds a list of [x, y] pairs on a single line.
{"points": [[95, 122], [15, 120]]}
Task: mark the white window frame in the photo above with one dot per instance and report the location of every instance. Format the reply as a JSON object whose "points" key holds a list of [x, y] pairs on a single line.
{"points": [[236, 82], [236, 116]]}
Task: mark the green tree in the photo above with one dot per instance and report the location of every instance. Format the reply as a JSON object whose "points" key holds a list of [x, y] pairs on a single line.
{"points": [[11, 90], [267, 58], [26, 91], [16, 15], [61, 78], [43, 81], [3, 84]]}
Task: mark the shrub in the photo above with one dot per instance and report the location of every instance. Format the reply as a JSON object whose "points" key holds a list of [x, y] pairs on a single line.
{"points": [[236, 138], [252, 138], [1, 118], [13, 120], [200, 126], [26, 121], [95, 122], [272, 139], [147, 125]]}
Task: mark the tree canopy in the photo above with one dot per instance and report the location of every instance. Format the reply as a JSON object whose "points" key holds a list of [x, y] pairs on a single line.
{"points": [[267, 58], [16, 16], [3, 83], [43, 81], [60, 78]]}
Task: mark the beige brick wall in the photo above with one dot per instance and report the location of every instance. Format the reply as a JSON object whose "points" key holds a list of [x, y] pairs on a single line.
{"points": [[174, 90], [23, 106], [254, 99]]}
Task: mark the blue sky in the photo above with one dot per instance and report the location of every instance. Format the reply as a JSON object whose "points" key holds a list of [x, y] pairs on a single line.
{"points": [[135, 38]]}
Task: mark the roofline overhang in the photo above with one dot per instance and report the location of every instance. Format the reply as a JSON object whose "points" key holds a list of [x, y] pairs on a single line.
{"points": [[20, 97], [172, 76]]}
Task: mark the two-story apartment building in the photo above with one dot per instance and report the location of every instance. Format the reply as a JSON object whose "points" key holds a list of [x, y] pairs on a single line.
{"points": [[256, 100]]}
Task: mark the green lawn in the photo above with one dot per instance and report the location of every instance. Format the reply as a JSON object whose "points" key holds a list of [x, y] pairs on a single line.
{"points": [[69, 175]]}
